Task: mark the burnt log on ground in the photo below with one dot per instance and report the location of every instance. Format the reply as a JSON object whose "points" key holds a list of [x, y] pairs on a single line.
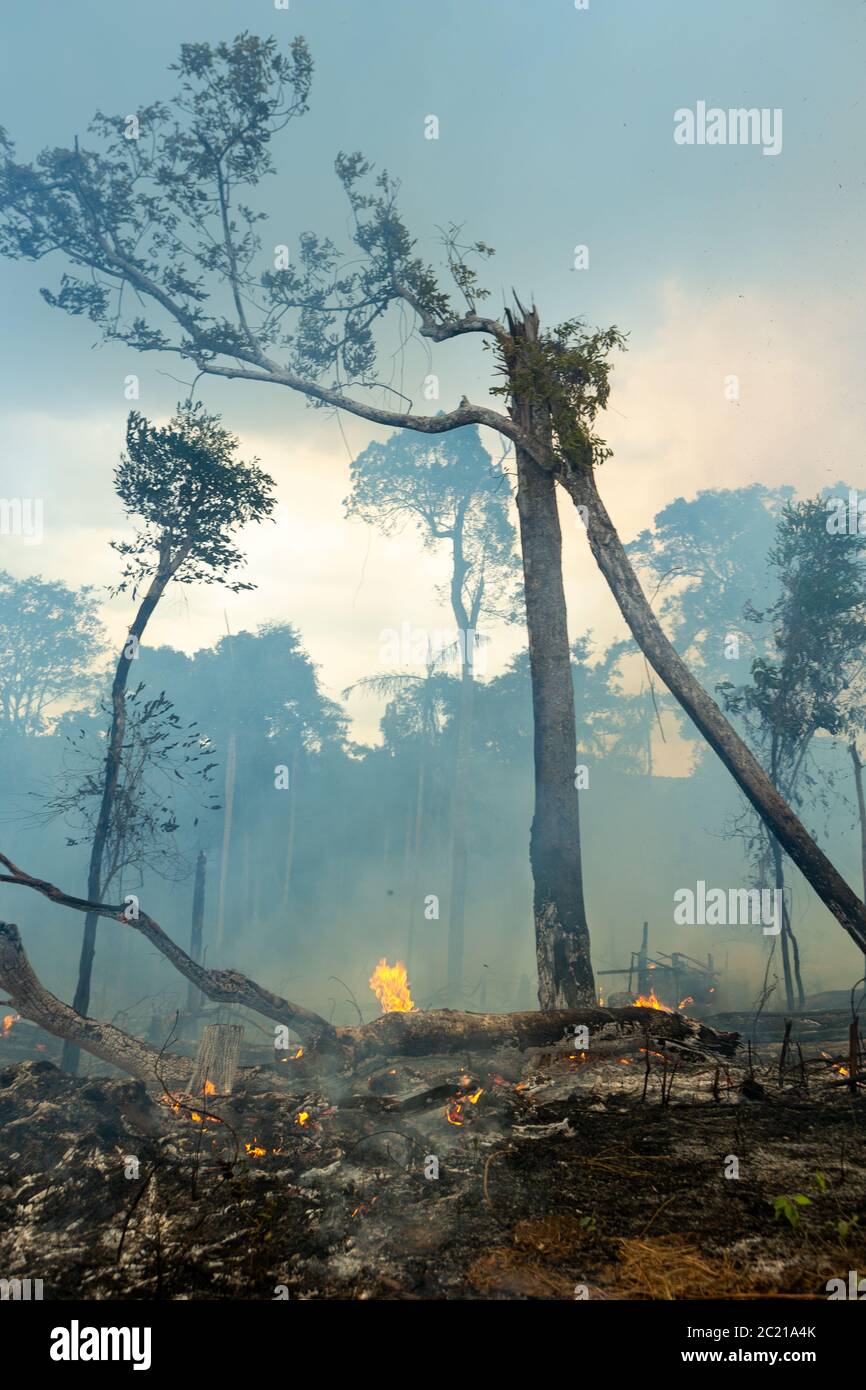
{"points": [[816, 1025], [417, 1034], [443, 1030], [411, 1034]]}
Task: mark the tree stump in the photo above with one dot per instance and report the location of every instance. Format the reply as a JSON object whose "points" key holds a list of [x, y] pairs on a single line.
{"points": [[217, 1060]]}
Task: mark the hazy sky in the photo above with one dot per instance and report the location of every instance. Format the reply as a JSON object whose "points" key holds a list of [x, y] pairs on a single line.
{"points": [[556, 129]]}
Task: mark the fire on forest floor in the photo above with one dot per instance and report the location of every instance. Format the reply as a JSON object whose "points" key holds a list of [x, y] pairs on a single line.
{"points": [[538, 1174]]}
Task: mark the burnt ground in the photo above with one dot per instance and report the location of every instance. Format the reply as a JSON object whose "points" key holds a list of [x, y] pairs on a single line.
{"points": [[559, 1173]]}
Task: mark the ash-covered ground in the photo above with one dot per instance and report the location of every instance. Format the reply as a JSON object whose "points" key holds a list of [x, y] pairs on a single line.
{"points": [[534, 1175]]}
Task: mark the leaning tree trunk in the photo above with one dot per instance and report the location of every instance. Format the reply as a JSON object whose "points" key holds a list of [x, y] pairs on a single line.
{"points": [[610, 555], [861, 810], [565, 978], [779, 884], [111, 776]]}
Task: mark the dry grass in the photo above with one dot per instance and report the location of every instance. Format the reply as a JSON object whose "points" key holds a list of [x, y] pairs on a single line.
{"points": [[507, 1272], [669, 1267]]}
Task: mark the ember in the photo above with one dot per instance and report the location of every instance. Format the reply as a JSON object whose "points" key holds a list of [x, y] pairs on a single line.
{"points": [[390, 985]]}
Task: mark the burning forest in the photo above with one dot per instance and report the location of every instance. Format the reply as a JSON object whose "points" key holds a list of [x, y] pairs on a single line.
{"points": [[432, 825]]}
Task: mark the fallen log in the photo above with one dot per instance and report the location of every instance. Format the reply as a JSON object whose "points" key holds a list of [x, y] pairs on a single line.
{"points": [[419, 1033], [423, 1032], [416, 1034]]}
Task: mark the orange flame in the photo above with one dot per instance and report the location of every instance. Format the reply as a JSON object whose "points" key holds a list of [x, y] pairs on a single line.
{"points": [[454, 1111], [8, 1020], [650, 1001], [302, 1117], [390, 985]]}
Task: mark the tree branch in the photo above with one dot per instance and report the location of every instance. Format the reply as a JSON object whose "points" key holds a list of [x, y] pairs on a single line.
{"points": [[222, 986], [32, 1000]]}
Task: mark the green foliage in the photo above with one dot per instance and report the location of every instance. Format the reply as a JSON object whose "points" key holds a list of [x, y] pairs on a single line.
{"points": [[817, 631], [162, 757], [164, 213], [788, 1208], [449, 486], [190, 490], [50, 637], [169, 217], [703, 563], [566, 371]]}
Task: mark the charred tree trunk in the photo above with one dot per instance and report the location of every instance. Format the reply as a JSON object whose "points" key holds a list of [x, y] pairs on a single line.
{"points": [[861, 807], [193, 997], [111, 776], [217, 1061], [565, 978], [861, 813], [779, 883], [609, 553]]}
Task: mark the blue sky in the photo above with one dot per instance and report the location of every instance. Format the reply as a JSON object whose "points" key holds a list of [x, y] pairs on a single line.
{"points": [[556, 129]]}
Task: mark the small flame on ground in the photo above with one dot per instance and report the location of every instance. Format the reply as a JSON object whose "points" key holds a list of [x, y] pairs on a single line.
{"points": [[254, 1150], [177, 1107], [454, 1111], [8, 1020], [390, 984], [838, 1067], [302, 1117], [650, 1001], [688, 1000], [209, 1089]]}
